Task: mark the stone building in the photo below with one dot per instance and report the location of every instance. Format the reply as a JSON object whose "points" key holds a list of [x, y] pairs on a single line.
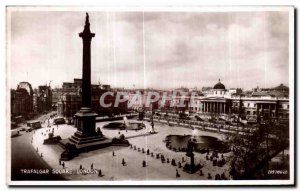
{"points": [[22, 100], [219, 102], [261, 105], [69, 100], [43, 99]]}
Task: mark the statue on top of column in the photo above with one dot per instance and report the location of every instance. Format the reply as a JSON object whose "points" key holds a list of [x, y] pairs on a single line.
{"points": [[87, 24]]}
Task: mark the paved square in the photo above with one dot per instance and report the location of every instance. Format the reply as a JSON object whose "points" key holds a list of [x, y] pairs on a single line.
{"points": [[111, 166]]}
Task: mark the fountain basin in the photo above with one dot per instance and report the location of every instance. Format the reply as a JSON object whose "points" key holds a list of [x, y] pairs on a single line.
{"points": [[123, 126], [179, 143]]}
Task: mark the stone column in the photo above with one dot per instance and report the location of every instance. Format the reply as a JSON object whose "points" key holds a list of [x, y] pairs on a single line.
{"points": [[208, 106], [215, 107], [276, 109], [221, 107], [86, 36]]}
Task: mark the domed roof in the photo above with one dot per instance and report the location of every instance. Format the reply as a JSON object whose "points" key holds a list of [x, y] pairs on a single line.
{"points": [[219, 86]]}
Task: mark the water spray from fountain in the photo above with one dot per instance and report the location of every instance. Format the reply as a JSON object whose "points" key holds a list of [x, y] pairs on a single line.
{"points": [[126, 123]]}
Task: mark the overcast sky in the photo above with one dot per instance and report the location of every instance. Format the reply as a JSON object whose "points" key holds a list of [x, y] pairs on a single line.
{"points": [[243, 49]]}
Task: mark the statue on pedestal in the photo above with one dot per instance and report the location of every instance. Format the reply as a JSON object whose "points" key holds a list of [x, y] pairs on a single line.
{"points": [[191, 168]]}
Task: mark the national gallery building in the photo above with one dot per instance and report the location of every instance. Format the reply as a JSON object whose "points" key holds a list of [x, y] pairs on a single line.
{"points": [[224, 103]]}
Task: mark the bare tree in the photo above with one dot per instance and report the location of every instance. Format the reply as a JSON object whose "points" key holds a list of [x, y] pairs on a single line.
{"points": [[251, 152]]}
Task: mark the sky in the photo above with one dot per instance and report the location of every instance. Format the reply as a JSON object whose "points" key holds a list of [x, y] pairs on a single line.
{"points": [[161, 50]]}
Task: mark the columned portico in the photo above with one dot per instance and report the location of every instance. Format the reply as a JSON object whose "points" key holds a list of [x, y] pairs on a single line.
{"points": [[215, 106]]}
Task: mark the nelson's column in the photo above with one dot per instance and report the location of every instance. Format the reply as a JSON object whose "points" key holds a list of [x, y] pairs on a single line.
{"points": [[86, 137]]}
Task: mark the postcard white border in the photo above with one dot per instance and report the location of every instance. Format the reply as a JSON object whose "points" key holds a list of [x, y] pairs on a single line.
{"points": [[289, 9]]}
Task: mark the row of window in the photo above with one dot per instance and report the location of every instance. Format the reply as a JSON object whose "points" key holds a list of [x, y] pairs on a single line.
{"points": [[285, 106], [219, 92]]}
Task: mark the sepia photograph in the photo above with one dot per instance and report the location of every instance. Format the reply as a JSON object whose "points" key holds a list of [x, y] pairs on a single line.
{"points": [[150, 96]]}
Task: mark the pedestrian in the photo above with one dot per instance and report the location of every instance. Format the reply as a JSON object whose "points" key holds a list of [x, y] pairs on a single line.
{"points": [[113, 153], [223, 177], [173, 162], [80, 167], [123, 162], [201, 173], [92, 166], [209, 176], [144, 163], [177, 174], [37, 149], [63, 164], [100, 173]]}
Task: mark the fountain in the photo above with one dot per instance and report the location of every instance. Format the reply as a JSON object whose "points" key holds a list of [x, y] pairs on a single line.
{"points": [[152, 125], [124, 125], [194, 133], [201, 143], [125, 121]]}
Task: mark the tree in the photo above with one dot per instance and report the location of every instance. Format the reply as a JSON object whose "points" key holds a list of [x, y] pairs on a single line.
{"points": [[251, 152], [247, 150]]}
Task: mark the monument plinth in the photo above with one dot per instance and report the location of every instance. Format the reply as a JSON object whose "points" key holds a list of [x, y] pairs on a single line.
{"points": [[86, 138], [192, 167]]}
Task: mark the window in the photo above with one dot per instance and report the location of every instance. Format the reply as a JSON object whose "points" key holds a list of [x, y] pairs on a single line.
{"points": [[254, 112], [248, 112]]}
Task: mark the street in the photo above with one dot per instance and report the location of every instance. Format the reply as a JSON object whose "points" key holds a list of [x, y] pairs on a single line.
{"points": [[23, 156]]}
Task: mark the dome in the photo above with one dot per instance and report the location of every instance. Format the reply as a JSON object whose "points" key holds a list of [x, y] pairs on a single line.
{"points": [[219, 86]]}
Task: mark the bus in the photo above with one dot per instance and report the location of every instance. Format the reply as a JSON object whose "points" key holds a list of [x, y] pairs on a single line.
{"points": [[59, 120], [34, 124], [15, 133]]}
